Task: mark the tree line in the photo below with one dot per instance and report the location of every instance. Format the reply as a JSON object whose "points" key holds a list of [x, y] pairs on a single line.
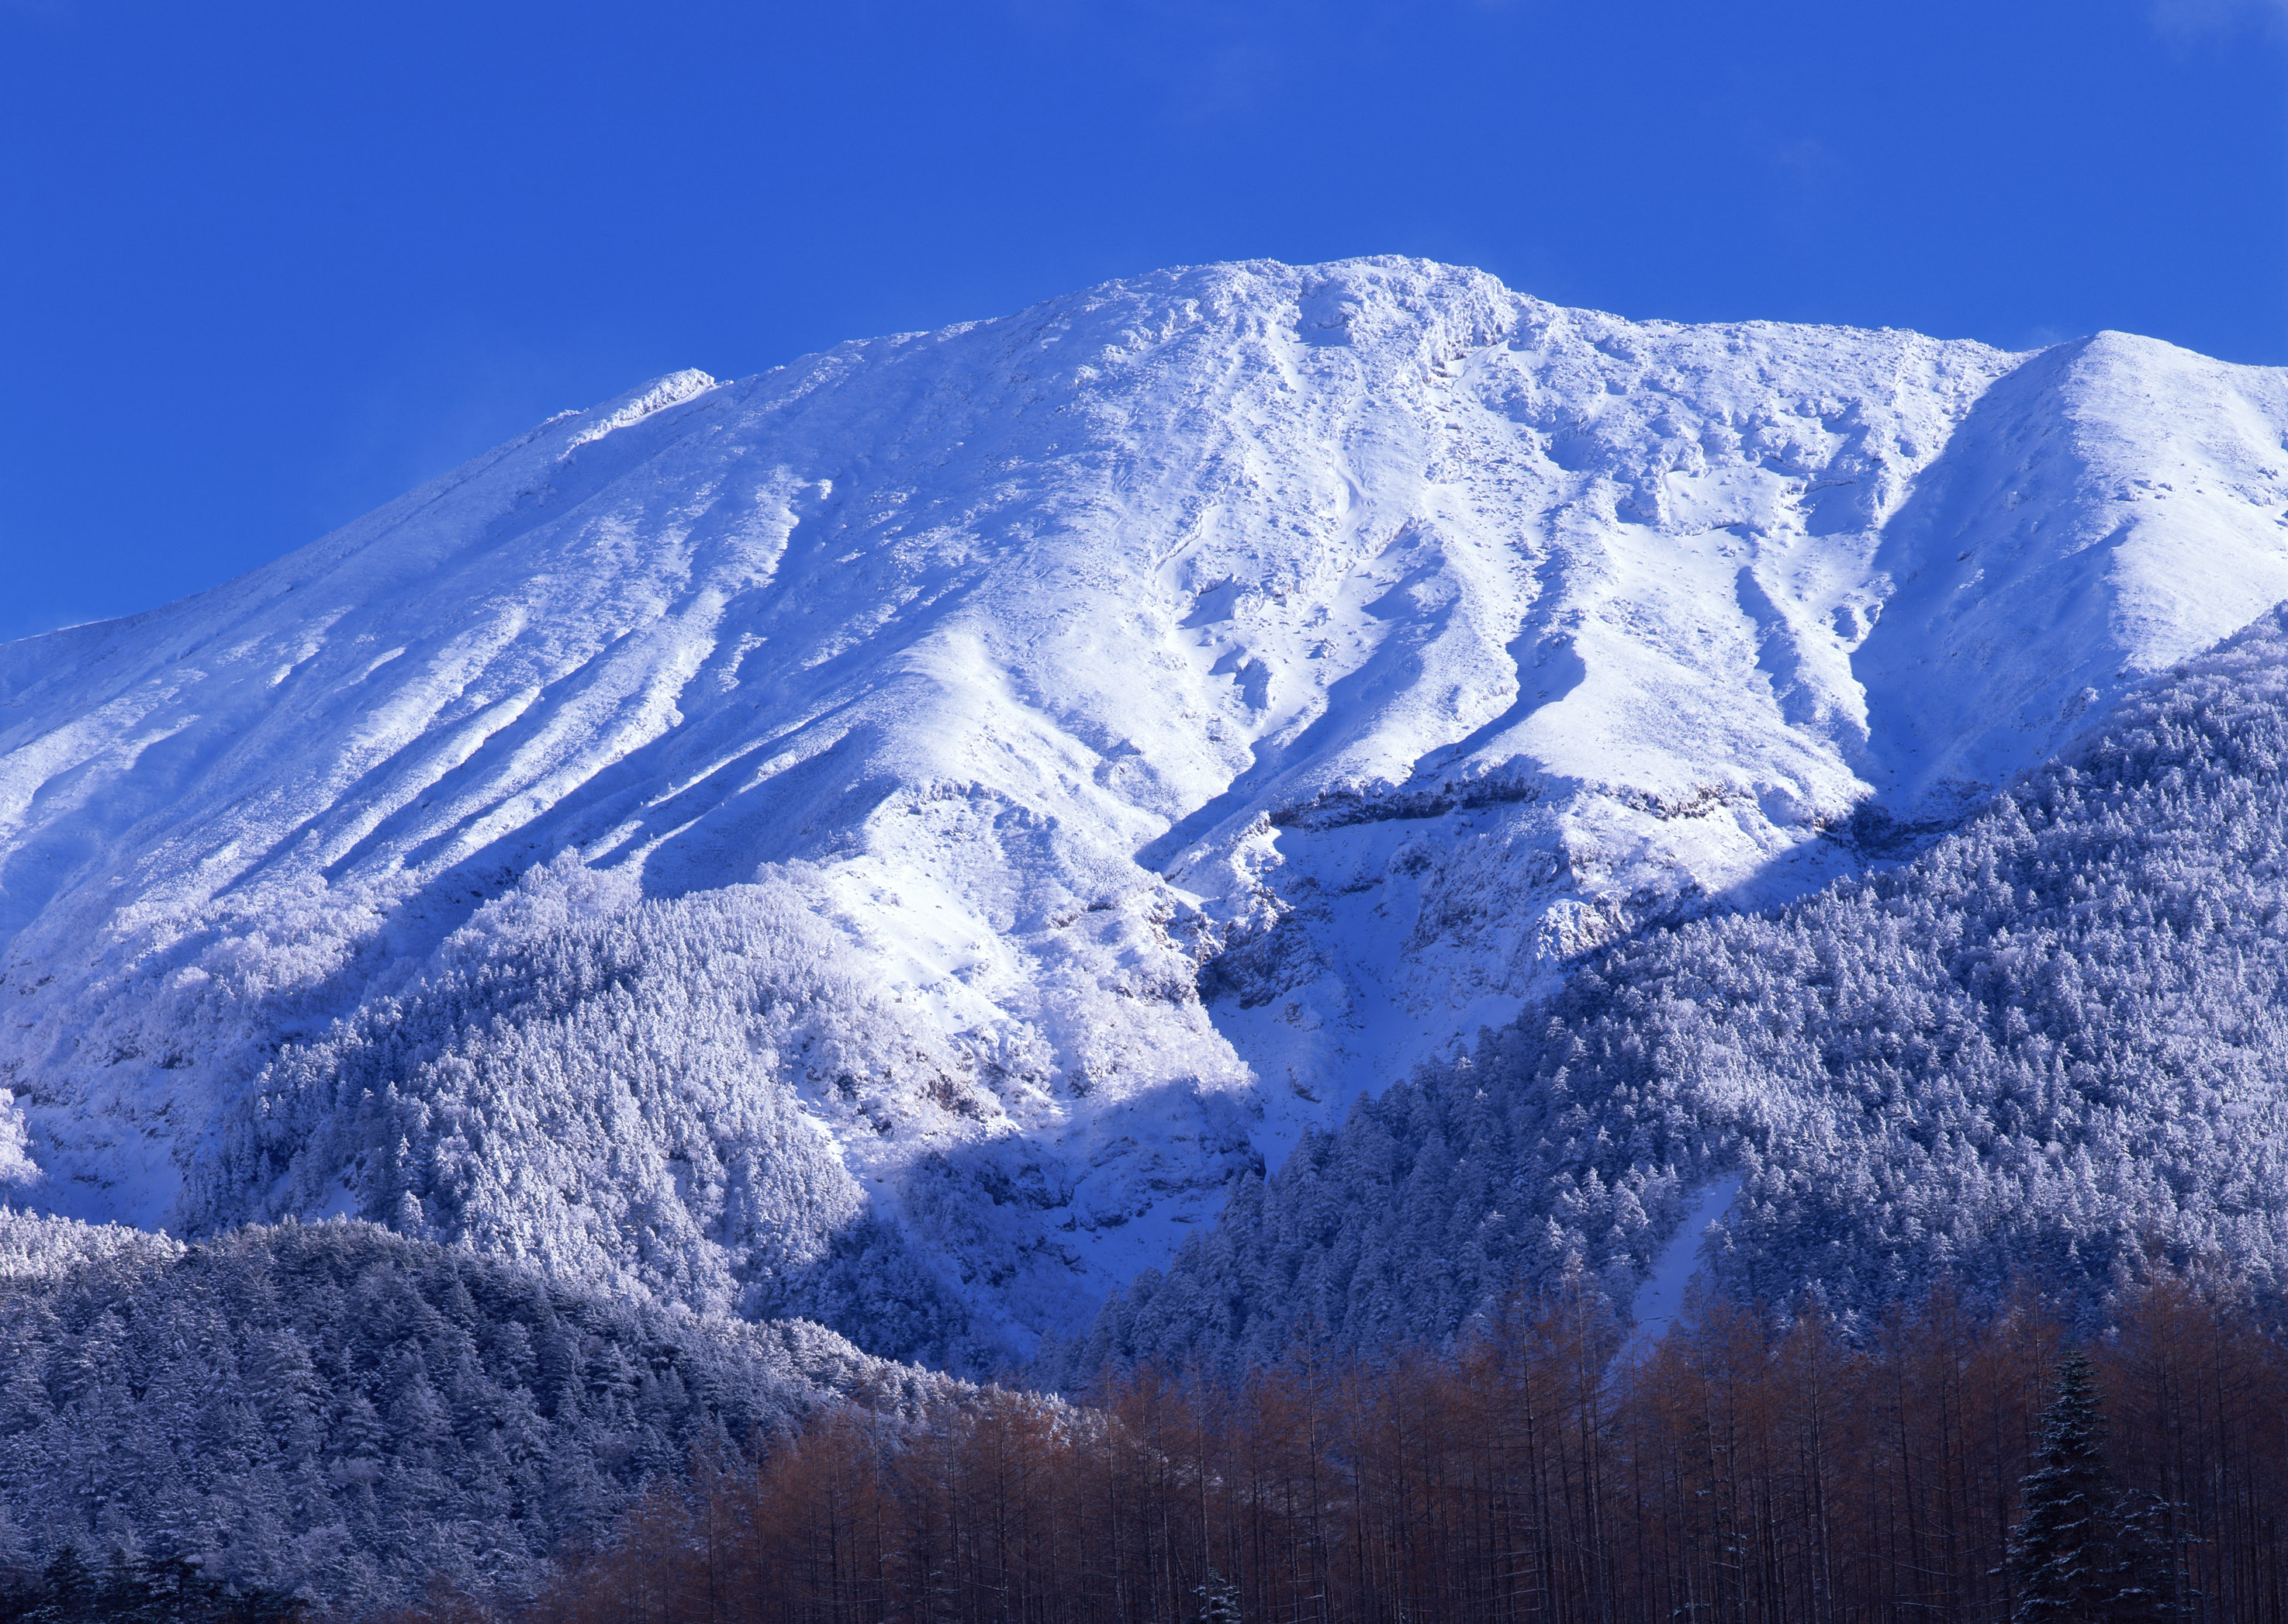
{"points": [[139, 1590], [1956, 1466]]}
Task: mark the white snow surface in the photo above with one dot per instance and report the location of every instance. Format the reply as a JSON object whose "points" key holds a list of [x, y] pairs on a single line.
{"points": [[1368, 634], [1665, 1294]]}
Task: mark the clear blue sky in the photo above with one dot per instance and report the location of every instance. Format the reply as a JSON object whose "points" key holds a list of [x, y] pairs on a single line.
{"points": [[264, 266]]}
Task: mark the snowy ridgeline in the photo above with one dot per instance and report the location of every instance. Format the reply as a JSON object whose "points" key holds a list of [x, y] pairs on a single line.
{"points": [[994, 789], [2050, 1048], [336, 1411]]}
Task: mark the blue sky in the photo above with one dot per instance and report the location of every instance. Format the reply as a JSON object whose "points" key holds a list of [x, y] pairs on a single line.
{"points": [[264, 266]]}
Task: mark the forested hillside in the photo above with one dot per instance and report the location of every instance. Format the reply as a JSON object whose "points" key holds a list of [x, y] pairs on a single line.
{"points": [[2051, 1047], [332, 1410], [634, 1089], [1951, 1465]]}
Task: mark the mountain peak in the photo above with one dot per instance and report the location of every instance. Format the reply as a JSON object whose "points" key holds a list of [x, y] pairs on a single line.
{"points": [[1107, 738]]}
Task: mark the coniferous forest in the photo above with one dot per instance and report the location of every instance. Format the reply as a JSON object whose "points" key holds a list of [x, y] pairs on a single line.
{"points": [[1954, 1467], [337, 1414]]}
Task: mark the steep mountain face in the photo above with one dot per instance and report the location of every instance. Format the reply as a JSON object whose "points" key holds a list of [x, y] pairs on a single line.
{"points": [[340, 1412], [896, 837], [2049, 1050]]}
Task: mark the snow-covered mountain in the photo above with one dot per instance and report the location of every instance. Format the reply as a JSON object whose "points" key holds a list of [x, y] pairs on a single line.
{"points": [[894, 838], [2047, 1054]]}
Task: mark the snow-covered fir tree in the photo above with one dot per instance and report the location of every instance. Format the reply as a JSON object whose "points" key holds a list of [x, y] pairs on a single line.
{"points": [[2065, 1549]]}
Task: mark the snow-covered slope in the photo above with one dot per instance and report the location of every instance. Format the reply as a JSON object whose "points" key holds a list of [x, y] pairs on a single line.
{"points": [[2045, 1054], [1369, 634]]}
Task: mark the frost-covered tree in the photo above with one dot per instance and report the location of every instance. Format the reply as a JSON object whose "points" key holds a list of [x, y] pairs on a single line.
{"points": [[628, 1090], [2050, 1047], [1219, 1601], [335, 1411], [2065, 1551]]}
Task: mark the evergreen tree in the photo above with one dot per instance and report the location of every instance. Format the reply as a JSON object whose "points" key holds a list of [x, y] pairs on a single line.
{"points": [[68, 1590], [333, 1412], [162, 1590], [2064, 1550], [1219, 1601], [2148, 1581]]}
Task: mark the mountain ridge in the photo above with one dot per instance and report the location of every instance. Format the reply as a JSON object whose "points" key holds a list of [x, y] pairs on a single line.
{"points": [[1038, 677]]}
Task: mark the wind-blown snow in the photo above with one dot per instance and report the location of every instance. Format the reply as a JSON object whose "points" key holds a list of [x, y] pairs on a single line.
{"points": [[1369, 634]]}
